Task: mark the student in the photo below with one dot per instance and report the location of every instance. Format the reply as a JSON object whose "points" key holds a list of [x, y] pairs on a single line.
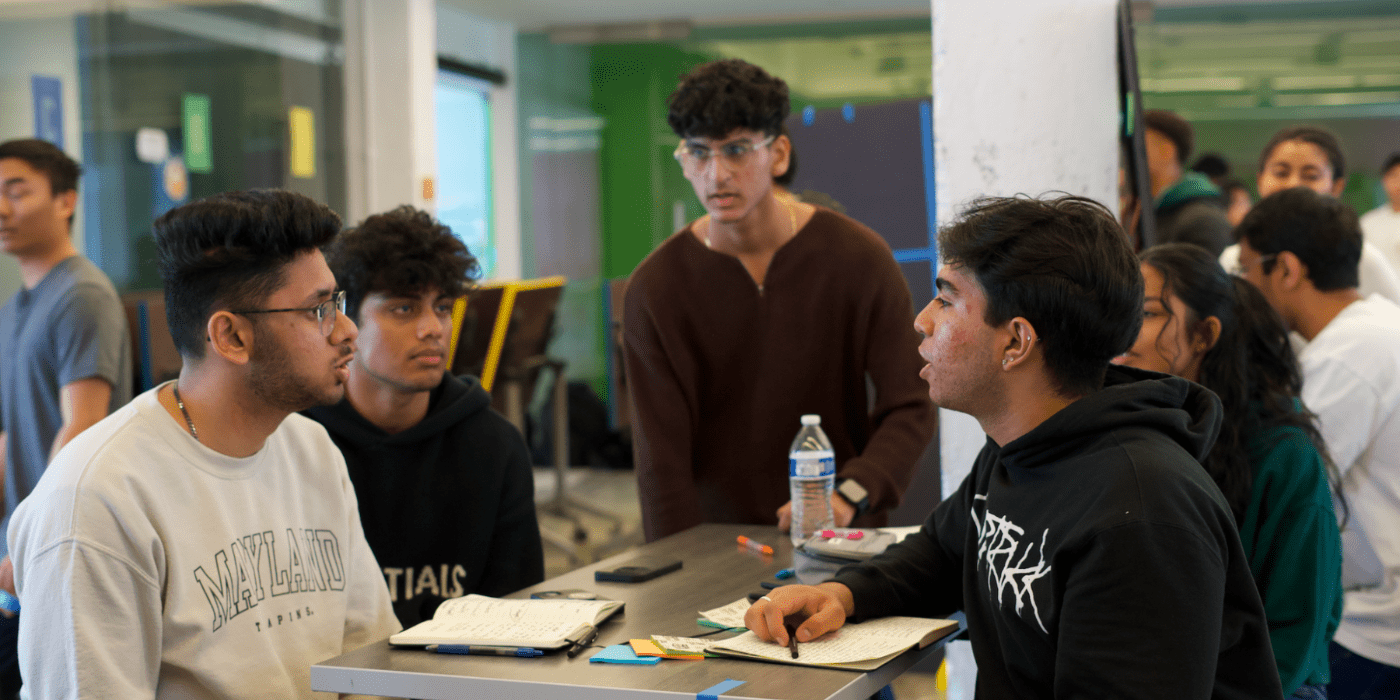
{"points": [[446, 492], [1381, 225], [1217, 330], [1186, 203], [1091, 553], [65, 352], [761, 311], [203, 541], [1311, 157], [1301, 250]]}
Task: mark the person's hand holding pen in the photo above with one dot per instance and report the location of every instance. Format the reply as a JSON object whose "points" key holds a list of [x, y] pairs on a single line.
{"points": [[820, 609]]}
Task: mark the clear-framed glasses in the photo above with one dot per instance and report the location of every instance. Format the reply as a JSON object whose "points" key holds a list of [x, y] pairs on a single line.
{"points": [[695, 157], [1240, 268], [325, 311]]}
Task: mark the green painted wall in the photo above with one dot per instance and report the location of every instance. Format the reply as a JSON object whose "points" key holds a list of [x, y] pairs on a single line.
{"points": [[640, 181]]}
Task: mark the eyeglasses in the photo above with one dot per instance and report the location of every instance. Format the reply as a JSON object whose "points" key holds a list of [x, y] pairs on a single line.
{"points": [[325, 311], [1240, 269], [695, 158]]}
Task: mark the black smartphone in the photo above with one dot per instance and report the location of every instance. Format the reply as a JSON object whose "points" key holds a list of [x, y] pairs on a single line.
{"points": [[638, 570]]}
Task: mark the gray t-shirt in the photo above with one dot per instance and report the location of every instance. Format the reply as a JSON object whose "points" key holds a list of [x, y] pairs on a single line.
{"points": [[70, 326]]}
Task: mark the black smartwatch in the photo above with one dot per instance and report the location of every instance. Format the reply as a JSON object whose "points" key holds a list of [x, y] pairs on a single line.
{"points": [[855, 494]]}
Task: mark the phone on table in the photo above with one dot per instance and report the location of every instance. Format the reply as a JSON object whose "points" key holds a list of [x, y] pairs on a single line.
{"points": [[638, 570]]}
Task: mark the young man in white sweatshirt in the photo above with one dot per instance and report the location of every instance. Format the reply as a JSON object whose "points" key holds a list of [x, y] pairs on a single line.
{"points": [[204, 541]]}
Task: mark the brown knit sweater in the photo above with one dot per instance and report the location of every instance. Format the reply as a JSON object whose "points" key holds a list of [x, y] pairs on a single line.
{"points": [[720, 373]]}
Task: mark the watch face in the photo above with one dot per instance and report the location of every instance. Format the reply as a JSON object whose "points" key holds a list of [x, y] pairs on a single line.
{"points": [[852, 491]]}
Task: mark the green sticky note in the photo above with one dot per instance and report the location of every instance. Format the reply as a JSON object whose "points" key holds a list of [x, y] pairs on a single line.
{"points": [[199, 142]]}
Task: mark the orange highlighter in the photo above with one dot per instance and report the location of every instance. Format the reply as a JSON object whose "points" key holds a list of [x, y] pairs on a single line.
{"points": [[754, 545]]}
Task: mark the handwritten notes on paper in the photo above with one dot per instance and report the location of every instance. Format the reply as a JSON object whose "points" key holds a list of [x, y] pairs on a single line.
{"points": [[683, 645], [863, 646], [476, 619], [731, 615]]}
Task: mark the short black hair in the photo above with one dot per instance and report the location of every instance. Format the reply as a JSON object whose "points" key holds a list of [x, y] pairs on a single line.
{"points": [[1176, 129], [230, 250], [1322, 231], [61, 171], [718, 97], [1391, 161], [404, 251], [1065, 265], [1212, 165], [1315, 135]]}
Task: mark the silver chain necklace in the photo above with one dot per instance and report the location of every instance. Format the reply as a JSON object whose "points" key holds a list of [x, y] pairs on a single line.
{"points": [[193, 433]]}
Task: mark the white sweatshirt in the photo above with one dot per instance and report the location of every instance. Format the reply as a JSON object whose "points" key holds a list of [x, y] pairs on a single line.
{"points": [[151, 566]]}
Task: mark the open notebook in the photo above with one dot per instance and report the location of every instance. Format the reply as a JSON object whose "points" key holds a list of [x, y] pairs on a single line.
{"points": [[478, 619], [863, 646]]}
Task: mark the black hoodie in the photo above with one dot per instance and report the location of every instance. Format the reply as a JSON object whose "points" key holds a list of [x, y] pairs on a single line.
{"points": [[448, 506], [1093, 555]]}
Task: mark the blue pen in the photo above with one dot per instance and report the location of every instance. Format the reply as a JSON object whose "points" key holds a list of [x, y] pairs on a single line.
{"points": [[473, 650], [785, 573]]}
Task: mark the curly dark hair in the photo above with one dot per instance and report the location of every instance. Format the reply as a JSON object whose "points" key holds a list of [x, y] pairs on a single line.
{"points": [[1066, 266], [1251, 367], [1177, 130], [718, 97], [401, 252], [1322, 231], [1315, 135], [231, 250]]}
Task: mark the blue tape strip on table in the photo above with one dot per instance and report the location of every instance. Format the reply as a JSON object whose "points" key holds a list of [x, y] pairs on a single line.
{"points": [[622, 654], [713, 692]]}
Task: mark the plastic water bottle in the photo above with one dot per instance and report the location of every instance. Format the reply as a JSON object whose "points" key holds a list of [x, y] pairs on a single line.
{"points": [[811, 478]]}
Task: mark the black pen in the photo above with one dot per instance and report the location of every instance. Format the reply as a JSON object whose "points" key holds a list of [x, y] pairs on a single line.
{"points": [[792, 640], [583, 642]]}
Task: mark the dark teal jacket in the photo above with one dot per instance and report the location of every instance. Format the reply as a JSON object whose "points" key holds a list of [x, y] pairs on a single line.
{"points": [[1294, 548]]}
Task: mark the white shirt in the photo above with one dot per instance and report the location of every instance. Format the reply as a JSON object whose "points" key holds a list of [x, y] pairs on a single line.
{"points": [[1351, 380], [1374, 274], [1381, 227], [152, 566]]}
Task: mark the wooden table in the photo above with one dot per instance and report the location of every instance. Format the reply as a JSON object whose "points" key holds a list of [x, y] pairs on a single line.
{"points": [[716, 572]]}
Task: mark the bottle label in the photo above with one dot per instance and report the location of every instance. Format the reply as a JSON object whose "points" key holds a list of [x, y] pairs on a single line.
{"points": [[812, 464]]}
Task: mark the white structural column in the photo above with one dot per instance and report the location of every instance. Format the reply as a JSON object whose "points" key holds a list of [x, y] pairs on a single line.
{"points": [[390, 75], [1024, 102]]}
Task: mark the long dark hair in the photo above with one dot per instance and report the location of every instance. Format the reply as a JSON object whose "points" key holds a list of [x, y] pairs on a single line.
{"points": [[1252, 367]]}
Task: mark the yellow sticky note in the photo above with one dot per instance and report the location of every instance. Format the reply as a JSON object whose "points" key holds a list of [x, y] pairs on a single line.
{"points": [[302, 123]]}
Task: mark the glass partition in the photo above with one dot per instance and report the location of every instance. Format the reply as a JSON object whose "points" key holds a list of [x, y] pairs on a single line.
{"points": [[164, 103]]}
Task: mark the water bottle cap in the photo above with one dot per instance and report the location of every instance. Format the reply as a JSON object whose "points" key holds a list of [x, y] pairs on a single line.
{"points": [[811, 419]]}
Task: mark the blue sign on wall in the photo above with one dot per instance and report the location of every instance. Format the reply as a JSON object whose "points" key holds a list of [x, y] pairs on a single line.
{"points": [[48, 109]]}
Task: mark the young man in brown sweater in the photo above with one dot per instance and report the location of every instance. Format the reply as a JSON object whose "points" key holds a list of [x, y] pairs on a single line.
{"points": [[761, 311]]}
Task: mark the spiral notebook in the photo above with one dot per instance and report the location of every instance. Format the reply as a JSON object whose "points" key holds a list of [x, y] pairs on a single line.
{"points": [[478, 619]]}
